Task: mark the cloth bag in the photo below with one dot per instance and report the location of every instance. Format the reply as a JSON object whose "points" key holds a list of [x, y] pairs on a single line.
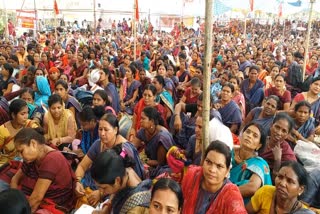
{"points": [[309, 154]]}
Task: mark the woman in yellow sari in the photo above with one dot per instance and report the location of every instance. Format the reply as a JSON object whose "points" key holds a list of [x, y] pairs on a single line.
{"points": [[59, 123], [18, 111]]}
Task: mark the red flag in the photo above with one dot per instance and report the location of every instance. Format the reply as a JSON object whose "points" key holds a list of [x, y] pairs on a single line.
{"points": [[136, 15], [251, 2], [55, 7], [280, 10]]}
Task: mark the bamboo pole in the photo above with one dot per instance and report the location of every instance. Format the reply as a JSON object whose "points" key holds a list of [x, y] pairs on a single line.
{"points": [[306, 49], [94, 17], [6, 21], [207, 74]]}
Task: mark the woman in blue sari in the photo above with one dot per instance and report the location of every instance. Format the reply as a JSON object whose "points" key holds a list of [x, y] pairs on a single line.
{"points": [[169, 84], [304, 128], [312, 96], [156, 140], [129, 90], [229, 110], [252, 89], [249, 171], [109, 137], [42, 91], [89, 127], [163, 96], [105, 81], [264, 115]]}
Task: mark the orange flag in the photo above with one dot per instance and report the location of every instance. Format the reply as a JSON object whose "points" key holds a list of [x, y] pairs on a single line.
{"points": [[136, 15], [55, 7]]}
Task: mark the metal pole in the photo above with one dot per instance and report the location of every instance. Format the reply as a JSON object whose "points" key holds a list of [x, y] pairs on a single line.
{"points": [[207, 74], [306, 49], [134, 31]]}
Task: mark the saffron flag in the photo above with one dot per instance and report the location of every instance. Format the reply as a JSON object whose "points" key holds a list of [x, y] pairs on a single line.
{"points": [[136, 15], [55, 7], [251, 2]]}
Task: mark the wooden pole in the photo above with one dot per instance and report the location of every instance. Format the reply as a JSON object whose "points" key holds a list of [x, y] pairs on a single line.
{"points": [[207, 75], [55, 26], [306, 49], [94, 17], [6, 20], [134, 31], [36, 22]]}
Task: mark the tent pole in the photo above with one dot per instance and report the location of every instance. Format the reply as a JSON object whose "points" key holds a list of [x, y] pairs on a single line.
{"points": [[306, 49], [207, 75]]}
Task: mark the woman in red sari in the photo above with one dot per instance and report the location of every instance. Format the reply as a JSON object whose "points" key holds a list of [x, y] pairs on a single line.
{"points": [[45, 176], [148, 99], [210, 181]]}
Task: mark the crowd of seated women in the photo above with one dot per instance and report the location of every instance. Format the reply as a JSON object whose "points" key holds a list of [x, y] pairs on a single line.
{"points": [[124, 137]]}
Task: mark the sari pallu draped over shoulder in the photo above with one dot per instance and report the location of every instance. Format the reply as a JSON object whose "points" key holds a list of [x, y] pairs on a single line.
{"points": [[230, 114], [62, 130], [241, 173], [131, 197], [166, 98], [228, 200]]}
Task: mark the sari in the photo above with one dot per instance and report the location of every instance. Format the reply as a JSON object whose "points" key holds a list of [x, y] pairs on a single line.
{"points": [[162, 138], [239, 99], [284, 98], [243, 66], [187, 130], [95, 150], [287, 154], [266, 122], [230, 114], [307, 128], [73, 102], [263, 202], [7, 134], [253, 96], [113, 96], [131, 197], [60, 130], [170, 86], [227, 199], [139, 108], [42, 95], [215, 89], [241, 173], [165, 98], [88, 139], [55, 168], [128, 92], [192, 155], [77, 72], [315, 107], [143, 85], [189, 98]]}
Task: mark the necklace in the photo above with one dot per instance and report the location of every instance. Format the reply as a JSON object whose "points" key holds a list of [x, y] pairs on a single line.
{"points": [[104, 146], [294, 207], [152, 134]]}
